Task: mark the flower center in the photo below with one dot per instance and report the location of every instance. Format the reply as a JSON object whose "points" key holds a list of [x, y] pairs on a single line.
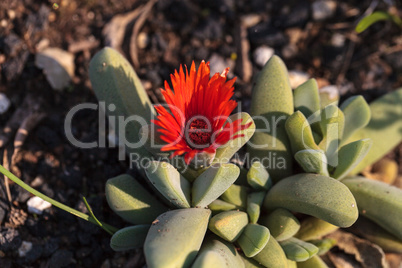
{"points": [[198, 133]]}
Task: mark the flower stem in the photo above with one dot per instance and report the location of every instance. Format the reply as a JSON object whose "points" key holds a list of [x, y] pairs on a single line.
{"points": [[55, 203]]}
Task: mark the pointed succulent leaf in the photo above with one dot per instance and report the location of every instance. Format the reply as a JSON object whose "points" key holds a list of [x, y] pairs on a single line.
{"points": [[329, 95], [219, 206], [254, 202], [332, 125], [306, 98], [168, 181], [131, 201], [313, 262], [299, 132], [298, 250], [175, 237], [312, 161], [316, 195], [281, 223], [251, 263], [271, 105], [129, 238], [258, 177], [229, 224], [357, 115], [323, 245], [272, 255], [253, 239], [216, 253], [314, 228], [236, 195], [384, 128], [118, 87], [226, 151], [350, 156], [213, 183], [379, 202]]}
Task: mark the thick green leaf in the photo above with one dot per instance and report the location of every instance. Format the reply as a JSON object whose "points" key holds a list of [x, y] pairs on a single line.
{"points": [[357, 115], [281, 223], [299, 132], [229, 224], [258, 177], [272, 255], [316, 195], [254, 202], [378, 201], [226, 151], [329, 95], [323, 245], [350, 155], [118, 87], [298, 250], [236, 195], [213, 183], [129, 238], [131, 201], [168, 181], [332, 124], [250, 263], [175, 238], [306, 98], [312, 161], [314, 228], [152, 141], [314, 262], [219, 206], [253, 239], [271, 105], [384, 128], [216, 253]]}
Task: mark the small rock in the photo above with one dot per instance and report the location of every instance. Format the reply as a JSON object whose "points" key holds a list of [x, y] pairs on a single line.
{"points": [[297, 78], [14, 66], [323, 9], [297, 17], [58, 66], [338, 40], [37, 205], [24, 248], [50, 247], [218, 64], [4, 103], [142, 40], [34, 254], [262, 54], [210, 29], [10, 240], [289, 51]]}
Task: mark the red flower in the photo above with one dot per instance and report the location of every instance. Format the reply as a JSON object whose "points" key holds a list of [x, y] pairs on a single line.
{"points": [[199, 107]]}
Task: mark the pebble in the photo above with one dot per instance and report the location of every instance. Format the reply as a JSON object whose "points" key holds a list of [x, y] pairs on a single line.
{"points": [[10, 239], [24, 248], [218, 64], [4, 103], [297, 78], [61, 258], [338, 40], [323, 10], [58, 66], [142, 40], [289, 51], [262, 54], [37, 205]]}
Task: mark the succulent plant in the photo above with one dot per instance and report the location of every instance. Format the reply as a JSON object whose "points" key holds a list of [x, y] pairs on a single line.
{"points": [[217, 214]]}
